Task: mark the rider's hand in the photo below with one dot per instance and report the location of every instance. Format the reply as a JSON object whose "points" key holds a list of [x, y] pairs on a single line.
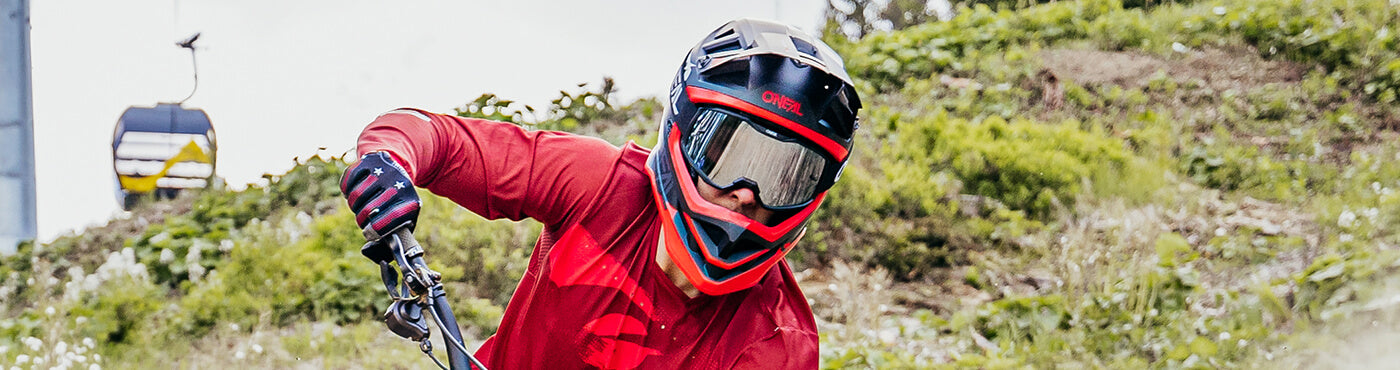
{"points": [[381, 195]]}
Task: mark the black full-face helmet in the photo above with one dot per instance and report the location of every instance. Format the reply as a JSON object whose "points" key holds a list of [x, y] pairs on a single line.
{"points": [[757, 105]]}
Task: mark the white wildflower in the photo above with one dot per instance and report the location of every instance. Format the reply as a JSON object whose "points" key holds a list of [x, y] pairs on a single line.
{"points": [[96, 357], [1371, 213], [196, 251], [1345, 238], [1347, 219], [1219, 231], [257, 348], [1178, 47], [71, 290], [50, 311], [1242, 343], [1224, 336], [129, 254], [38, 360], [79, 358], [239, 355], [196, 272], [88, 342], [76, 273], [82, 320], [94, 366], [889, 335], [60, 347], [1219, 10], [167, 256], [22, 359], [225, 245], [159, 238], [30, 281], [233, 326], [4, 349], [33, 343]]}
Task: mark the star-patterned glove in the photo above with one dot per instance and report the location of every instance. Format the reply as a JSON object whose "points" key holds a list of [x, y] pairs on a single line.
{"points": [[381, 195]]}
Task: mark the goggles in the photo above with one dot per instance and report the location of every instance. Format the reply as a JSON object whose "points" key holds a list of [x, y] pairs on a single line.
{"points": [[730, 150]]}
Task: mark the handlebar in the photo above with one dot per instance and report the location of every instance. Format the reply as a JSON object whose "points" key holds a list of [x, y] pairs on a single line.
{"points": [[421, 291]]}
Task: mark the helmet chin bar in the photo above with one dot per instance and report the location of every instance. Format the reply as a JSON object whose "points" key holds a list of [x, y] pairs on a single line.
{"points": [[677, 198]]}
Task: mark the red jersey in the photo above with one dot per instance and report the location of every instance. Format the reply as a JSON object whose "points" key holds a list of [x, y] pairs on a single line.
{"points": [[593, 295]]}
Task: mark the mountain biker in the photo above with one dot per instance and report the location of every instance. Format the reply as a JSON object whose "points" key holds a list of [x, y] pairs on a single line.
{"points": [[668, 258]]}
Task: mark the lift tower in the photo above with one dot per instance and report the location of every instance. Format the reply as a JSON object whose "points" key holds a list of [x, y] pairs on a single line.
{"points": [[17, 220]]}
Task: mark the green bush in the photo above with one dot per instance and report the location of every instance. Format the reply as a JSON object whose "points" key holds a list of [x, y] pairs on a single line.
{"points": [[280, 277], [190, 245], [122, 312], [1025, 165]]}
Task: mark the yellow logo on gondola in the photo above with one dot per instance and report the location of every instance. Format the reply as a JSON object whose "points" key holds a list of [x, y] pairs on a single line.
{"points": [[144, 184]]}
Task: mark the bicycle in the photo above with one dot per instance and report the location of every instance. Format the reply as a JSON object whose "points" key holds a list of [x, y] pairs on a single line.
{"points": [[405, 314]]}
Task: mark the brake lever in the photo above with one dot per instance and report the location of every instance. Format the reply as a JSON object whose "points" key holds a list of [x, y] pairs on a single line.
{"points": [[405, 318], [421, 280]]}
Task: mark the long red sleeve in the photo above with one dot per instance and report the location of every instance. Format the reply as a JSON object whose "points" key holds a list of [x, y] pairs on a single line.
{"points": [[492, 168]]}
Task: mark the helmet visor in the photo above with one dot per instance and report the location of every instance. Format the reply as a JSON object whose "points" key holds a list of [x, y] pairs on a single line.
{"points": [[729, 150]]}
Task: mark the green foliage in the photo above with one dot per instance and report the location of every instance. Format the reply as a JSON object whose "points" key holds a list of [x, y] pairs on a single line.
{"points": [[564, 113], [1355, 38], [121, 313], [489, 106], [889, 61], [1025, 165], [854, 19], [944, 185], [489, 255], [570, 110], [1233, 167], [188, 246]]}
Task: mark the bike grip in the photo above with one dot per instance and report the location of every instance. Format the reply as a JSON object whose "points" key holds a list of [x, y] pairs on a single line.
{"points": [[408, 245]]}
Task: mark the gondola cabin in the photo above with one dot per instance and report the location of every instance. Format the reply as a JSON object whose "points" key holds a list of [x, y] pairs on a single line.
{"points": [[160, 151]]}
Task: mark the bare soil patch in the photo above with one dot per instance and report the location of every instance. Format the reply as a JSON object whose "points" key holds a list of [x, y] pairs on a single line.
{"points": [[1238, 68]]}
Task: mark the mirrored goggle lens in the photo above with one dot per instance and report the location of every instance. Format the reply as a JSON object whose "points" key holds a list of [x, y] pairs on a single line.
{"points": [[726, 149]]}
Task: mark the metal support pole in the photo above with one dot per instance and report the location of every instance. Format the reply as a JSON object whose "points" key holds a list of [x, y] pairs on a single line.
{"points": [[17, 209]]}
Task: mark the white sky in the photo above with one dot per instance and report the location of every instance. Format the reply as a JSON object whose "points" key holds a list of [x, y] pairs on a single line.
{"points": [[280, 79]]}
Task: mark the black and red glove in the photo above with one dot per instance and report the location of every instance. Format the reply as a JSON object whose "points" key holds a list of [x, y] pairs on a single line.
{"points": [[381, 195]]}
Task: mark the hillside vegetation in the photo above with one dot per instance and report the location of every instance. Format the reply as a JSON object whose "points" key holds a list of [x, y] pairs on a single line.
{"points": [[1077, 183]]}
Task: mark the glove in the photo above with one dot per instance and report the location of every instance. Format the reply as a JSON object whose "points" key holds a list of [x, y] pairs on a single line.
{"points": [[382, 196]]}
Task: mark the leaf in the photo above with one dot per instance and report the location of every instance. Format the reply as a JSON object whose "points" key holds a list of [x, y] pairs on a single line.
{"points": [[1169, 246], [1203, 347], [1331, 271]]}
